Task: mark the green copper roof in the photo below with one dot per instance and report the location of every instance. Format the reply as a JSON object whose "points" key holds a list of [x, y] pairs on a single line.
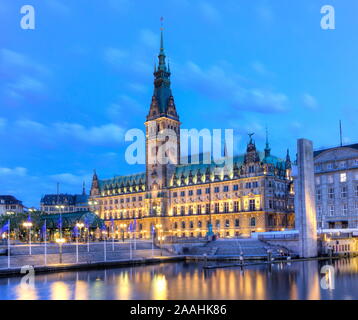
{"points": [[123, 181], [70, 219]]}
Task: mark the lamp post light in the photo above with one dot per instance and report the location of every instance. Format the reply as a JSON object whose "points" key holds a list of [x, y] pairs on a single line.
{"points": [[123, 226], [28, 225], [60, 242], [60, 210], [80, 225], [160, 237]]}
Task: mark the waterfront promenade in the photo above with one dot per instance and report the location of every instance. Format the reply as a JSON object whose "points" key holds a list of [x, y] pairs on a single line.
{"points": [[94, 252]]}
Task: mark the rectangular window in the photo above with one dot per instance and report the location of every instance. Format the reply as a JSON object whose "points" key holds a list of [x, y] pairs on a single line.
{"points": [[330, 179], [252, 205], [226, 188], [343, 177], [190, 209], [182, 193], [207, 190], [198, 209], [226, 207], [182, 210], [248, 185], [227, 223], [217, 207], [237, 223], [190, 192], [345, 209], [344, 192], [319, 210], [318, 181], [331, 210], [331, 193], [236, 187], [318, 194], [216, 189], [198, 192], [255, 184], [356, 190], [175, 194], [236, 206], [207, 208]]}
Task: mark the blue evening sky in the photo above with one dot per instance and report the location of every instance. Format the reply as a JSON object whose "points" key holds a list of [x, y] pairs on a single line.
{"points": [[71, 88]]}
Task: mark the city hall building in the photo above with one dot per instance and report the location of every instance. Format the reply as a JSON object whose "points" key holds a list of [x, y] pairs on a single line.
{"points": [[188, 200]]}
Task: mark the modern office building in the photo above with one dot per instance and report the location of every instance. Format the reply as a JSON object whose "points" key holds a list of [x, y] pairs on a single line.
{"points": [[336, 175]]}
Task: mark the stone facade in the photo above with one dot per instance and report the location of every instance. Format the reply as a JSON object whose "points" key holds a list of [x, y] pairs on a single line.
{"points": [[188, 200], [336, 179]]}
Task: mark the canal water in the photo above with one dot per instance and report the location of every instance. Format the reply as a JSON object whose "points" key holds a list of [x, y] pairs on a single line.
{"points": [[298, 280]]}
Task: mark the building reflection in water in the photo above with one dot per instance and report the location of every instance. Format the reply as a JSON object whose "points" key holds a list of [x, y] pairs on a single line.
{"points": [[60, 291], [296, 280]]}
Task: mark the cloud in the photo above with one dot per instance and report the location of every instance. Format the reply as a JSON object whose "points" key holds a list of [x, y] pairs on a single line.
{"points": [[149, 38], [70, 179], [115, 57], [265, 13], [26, 84], [18, 172], [53, 133], [261, 69], [220, 84], [10, 59], [120, 108], [3, 123], [209, 12], [23, 78], [92, 135], [309, 101], [121, 6], [58, 7]]}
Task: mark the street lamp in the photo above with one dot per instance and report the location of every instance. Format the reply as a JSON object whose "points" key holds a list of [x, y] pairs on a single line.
{"points": [[160, 236], [79, 225], [59, 208], [123, 226], [28, 225], [60, 242]]}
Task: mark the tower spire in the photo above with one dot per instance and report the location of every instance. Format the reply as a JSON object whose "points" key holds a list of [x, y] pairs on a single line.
{"points": [[267, 148], [162, 66]]}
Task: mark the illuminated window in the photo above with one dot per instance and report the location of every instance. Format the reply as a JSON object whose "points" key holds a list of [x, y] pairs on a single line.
{"points": [[217, 208], [343, 177]]}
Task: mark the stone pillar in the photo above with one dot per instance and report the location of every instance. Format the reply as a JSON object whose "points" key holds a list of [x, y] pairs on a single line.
{"points": [[305, 204]]}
